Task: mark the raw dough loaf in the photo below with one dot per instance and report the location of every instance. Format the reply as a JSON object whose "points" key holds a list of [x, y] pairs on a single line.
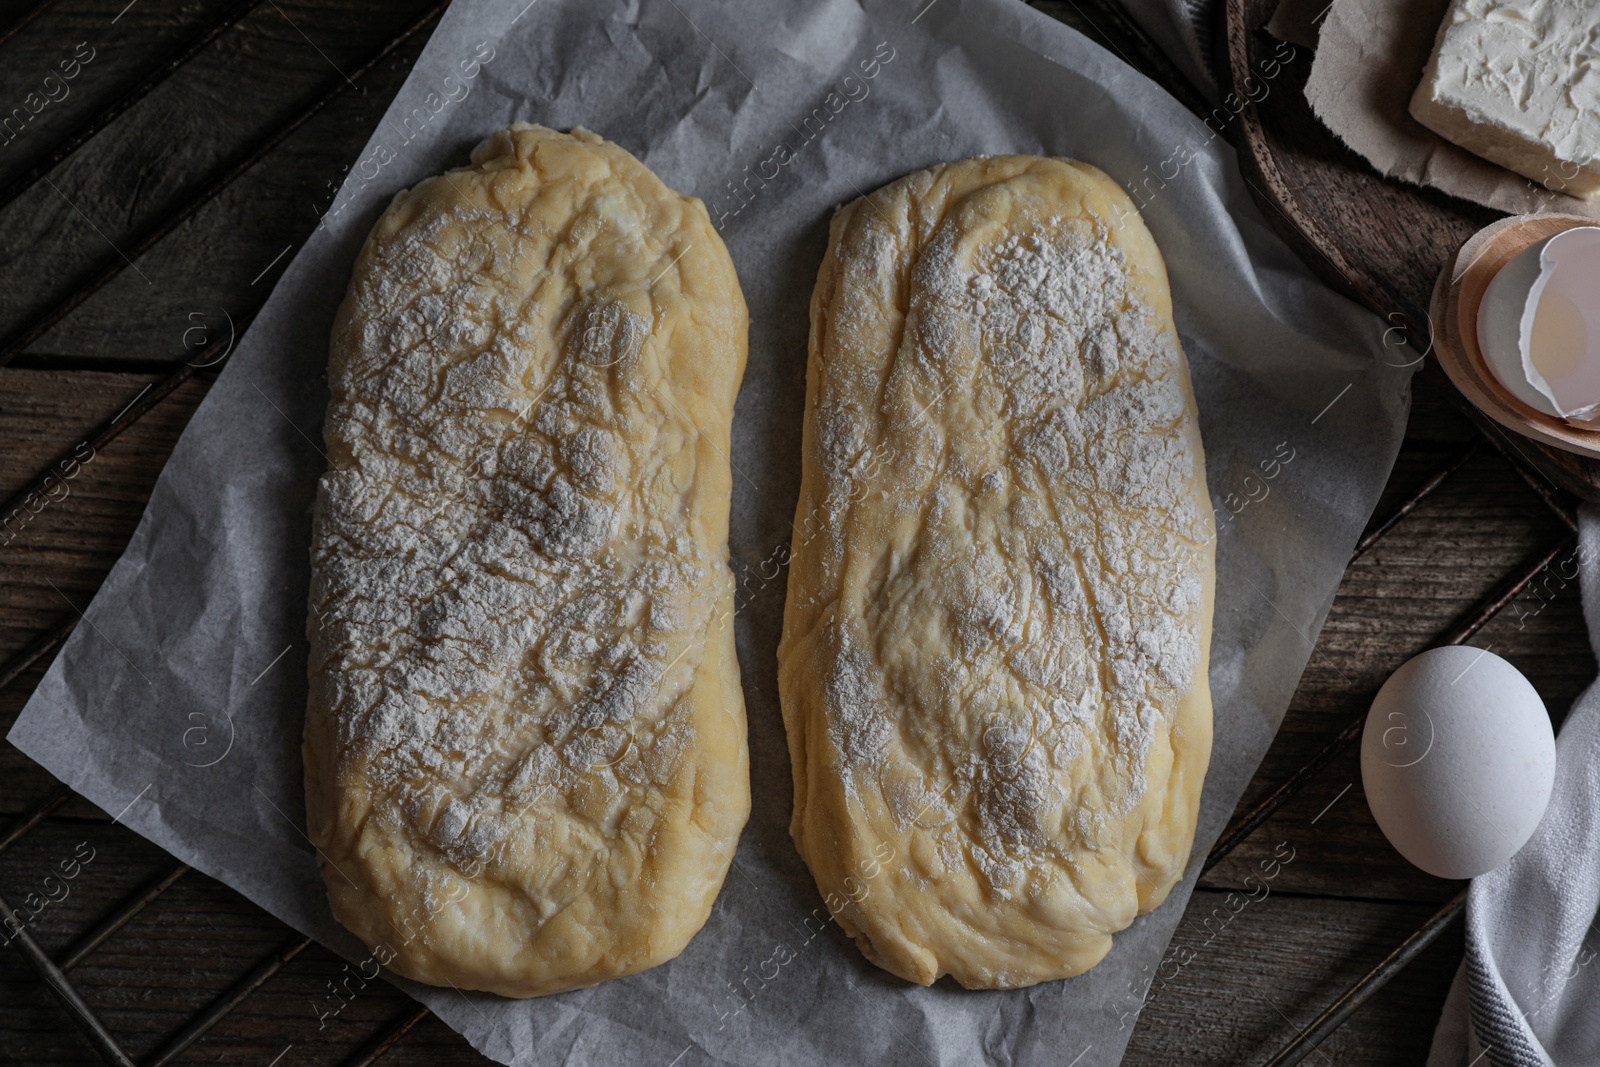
{"points": [[525, 743], [993, 666]]}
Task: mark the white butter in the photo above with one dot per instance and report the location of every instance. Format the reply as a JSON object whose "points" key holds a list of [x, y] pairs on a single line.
{"points": [[1518, 83]]}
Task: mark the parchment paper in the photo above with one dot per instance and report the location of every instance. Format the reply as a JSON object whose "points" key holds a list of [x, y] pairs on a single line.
{"points": [[179, 702], [1370, 55]]}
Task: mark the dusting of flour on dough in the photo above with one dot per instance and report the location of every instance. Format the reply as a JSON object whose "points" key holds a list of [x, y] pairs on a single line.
{"points": [[502, 625], [1052, 585], [526, 767]]}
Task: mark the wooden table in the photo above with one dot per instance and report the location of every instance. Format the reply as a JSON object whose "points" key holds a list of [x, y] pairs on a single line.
{"points": [[1260, 970]]}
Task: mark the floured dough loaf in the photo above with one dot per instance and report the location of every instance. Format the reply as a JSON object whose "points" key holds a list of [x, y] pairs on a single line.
{"points": [[525, 743], [993, 666]]}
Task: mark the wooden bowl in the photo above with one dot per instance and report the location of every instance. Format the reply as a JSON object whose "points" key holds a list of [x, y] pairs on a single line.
{"points": [[1454, 314]]}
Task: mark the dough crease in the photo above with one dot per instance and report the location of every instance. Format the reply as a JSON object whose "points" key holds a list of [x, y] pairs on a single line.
{"points": [[526, 768], [993, 663]]}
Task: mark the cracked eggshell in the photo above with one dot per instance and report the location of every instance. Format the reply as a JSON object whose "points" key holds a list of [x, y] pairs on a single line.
{"points": [[1458, 760], [1539, 325]]}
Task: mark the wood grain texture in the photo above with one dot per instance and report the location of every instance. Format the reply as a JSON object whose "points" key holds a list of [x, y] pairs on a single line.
{"points": [[54, 558], [253, 79], [1257, 970], [1259, 976]]}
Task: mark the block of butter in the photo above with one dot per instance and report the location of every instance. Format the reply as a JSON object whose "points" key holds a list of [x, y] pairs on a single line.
{"points": [[1518, 83]]}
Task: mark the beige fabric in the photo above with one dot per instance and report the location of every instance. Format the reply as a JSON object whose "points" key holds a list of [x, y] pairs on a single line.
{"points": [[525, 743], [993, 665]]}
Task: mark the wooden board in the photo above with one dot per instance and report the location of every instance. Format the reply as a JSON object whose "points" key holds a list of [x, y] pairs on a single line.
{"points": [[1382, 241], [1345, 900]]}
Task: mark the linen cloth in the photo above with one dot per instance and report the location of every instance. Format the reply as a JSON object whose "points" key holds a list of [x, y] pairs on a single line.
{"points": [[1528, 992]]}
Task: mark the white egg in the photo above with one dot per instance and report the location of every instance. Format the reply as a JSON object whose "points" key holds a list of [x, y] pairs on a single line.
{"points": [[1458, 759], [1539, 325]]}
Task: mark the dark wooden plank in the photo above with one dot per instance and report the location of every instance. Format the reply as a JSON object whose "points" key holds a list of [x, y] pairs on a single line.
{"points": [[63, 541], [254, 78], [57, 549], [169, 962], [90, 60], [1256, 971]]}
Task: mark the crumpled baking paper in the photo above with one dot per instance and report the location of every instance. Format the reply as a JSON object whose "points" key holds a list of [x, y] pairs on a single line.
{"points": [[179, 702], [1370, 56]]}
